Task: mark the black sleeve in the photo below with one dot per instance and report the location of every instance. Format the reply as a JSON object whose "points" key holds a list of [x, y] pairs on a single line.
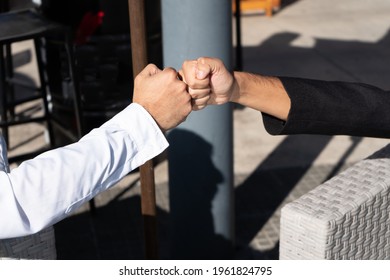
{"points": [[333, 108]]}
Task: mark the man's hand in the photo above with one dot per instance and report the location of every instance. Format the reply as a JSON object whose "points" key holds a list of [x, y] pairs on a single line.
{"points": [[209, 82], [163, 95]]}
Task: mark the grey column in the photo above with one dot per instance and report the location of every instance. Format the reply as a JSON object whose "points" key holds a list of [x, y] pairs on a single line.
{"points": [[201, 149]]}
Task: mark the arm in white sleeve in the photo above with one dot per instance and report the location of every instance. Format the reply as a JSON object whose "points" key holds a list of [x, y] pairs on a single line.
{"points": [[44, 190]]}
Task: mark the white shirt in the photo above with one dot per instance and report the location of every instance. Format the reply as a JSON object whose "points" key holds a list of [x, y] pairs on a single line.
{"points": [[44, 190]]}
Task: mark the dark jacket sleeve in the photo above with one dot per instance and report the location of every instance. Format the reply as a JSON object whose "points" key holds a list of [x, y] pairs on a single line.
{"points": [[333, 108]]}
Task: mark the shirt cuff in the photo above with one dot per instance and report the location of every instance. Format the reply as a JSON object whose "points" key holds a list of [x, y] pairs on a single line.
{"points": [[142, 129], [272, 125]]}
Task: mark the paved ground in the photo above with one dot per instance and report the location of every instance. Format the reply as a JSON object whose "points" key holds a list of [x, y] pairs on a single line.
{"points": [[334, 40]]}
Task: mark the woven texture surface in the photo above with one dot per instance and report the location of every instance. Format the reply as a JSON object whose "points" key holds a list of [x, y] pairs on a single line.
{"points": [[39, 246], [347, 217]]}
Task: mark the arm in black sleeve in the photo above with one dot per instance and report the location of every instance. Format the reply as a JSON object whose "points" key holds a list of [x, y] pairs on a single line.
{"points": [[333, 108]]}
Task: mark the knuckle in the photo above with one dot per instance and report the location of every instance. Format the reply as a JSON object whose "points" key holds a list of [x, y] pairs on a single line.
{"points": [[170, 71], [193, 93], [182, 87], [201, 59], [191, 83], [185, 64], [151, 68]]}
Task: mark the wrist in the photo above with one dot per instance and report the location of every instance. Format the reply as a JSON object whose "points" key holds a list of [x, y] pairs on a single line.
{"points": [[262, 93], [238, 88]]}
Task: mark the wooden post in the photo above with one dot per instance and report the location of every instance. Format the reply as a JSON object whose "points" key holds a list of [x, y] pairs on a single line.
{"points": [[148, 195]]}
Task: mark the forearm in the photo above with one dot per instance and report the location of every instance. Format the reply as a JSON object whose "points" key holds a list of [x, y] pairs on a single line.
{"points": [[262, 93], [44, 190]]}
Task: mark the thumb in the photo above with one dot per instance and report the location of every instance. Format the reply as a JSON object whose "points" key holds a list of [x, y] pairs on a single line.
{"points": [[207, 66], [202, 71], [150, 70]]}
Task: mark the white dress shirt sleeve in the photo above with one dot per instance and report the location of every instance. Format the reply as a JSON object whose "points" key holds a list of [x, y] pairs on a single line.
{"points": [[44, 190]]}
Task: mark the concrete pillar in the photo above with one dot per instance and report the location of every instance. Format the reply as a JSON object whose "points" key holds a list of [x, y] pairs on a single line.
{"points": [[201, 151]]}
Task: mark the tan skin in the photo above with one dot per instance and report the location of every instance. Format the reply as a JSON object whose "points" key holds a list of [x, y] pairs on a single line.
{"points": [[210, 83], [163, 95]]}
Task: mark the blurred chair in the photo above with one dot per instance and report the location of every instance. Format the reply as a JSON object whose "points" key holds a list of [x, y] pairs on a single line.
{"points": [[347, 217], [256, 5], [17, 26]]}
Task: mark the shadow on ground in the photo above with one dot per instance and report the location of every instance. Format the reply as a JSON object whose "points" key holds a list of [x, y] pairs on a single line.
{"points": [[116, 231]]}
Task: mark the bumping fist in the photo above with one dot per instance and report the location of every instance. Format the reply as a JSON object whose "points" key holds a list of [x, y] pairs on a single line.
{"points": [[163, 95], [208, 80]]}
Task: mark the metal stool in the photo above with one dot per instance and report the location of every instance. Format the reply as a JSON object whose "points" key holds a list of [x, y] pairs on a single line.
{"points": [[17, 26]]}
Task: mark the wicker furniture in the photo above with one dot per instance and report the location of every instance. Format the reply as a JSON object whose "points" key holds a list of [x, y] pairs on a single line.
{"points": [[347, 217], [39, 246]]}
